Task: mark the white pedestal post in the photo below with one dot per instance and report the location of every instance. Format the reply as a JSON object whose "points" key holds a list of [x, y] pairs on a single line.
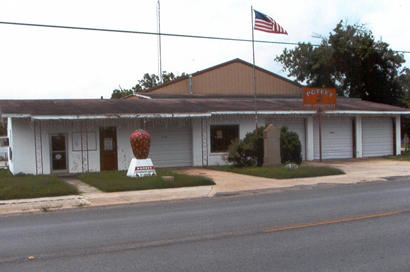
{"points": [[141, 168]]}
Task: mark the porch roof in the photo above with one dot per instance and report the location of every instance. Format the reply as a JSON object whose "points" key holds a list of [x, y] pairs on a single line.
{"points": [[183, 107]]}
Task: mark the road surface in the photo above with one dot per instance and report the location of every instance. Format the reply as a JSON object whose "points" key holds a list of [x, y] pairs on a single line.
{"points": [[362, 227]]}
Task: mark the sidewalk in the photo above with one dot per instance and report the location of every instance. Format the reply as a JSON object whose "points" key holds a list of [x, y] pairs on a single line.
{"points": [[226, 182], [356, 171]]}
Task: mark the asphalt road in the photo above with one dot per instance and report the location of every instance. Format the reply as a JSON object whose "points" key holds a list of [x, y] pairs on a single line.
{"points": [[362, 227]]}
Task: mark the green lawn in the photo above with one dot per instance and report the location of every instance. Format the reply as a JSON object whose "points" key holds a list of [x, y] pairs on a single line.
{"points": [[405, 156], [282, 172], [29, 186], [118, 181]]}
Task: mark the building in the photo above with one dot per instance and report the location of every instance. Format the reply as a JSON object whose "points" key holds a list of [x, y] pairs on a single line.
{"points": [[192, 121]]}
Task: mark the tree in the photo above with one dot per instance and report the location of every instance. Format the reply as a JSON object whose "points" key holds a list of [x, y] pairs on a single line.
{"points": [[351, 61], [118, 93], [290, 147], [405, 82], [147, 82]]}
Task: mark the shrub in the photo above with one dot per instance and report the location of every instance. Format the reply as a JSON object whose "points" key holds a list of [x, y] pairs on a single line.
{"points": [[290, 147], [249, 151]]}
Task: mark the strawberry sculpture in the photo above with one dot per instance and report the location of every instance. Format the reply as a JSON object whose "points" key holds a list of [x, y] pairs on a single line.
{"points": [[140, 142]]}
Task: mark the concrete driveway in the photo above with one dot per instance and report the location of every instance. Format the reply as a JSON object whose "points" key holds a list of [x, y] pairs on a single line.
{"points": [[363, 170]]}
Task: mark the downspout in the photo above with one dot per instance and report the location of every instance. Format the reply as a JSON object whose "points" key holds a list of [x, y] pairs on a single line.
{"points": [[82, 148], [41, 149], [190, 85], [35, 145], [202, 141], [86, 143]]}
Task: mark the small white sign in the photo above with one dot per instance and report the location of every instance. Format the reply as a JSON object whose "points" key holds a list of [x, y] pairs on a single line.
{"points": [[108, 144], [141, 168]]}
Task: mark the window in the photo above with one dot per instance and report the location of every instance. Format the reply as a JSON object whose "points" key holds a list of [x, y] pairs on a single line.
{"points": [[222, 136]]}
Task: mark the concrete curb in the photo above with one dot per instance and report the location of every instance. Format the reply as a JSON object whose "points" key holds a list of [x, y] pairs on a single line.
{"points": [[35, 205], [40, 200]]}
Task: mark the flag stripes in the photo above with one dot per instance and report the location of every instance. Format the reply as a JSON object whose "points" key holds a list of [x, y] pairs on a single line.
{"points": [[267, 24]]}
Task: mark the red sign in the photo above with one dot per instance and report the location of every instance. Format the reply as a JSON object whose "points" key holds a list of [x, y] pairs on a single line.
{"points": [[319, 96]]}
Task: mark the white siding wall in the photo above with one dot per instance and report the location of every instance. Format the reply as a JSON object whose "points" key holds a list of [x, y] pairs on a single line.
{"points": [[377, 136], [181, 142], [171, 145], [22, 146], [124, 151], [337, 138], [76, 159], [28, 136]]}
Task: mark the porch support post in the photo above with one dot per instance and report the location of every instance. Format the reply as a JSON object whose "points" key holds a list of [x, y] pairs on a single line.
{"points": [[196, 142], [309, 139], [359, 137], [398, 135]]}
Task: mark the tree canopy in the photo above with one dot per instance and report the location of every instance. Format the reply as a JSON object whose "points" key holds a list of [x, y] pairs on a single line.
{"points": [[405, 82], [351, 61], [147, 82]]}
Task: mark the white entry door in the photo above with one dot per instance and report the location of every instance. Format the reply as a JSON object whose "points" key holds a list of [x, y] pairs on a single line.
{"points": [[58, 149]]}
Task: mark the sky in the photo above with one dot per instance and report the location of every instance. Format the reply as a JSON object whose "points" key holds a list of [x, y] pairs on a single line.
{"points": [[41, 63]]}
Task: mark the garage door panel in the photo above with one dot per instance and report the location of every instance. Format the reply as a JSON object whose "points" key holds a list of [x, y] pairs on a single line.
{"points": [[337, 138], [377, 136], [171, 147]]}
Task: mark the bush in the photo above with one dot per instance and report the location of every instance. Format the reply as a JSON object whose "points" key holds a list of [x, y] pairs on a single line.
{"points": [[249, 151], [290, 147]]}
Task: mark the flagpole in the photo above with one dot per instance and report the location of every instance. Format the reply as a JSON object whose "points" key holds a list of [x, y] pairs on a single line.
{"points": [[254, 74]]}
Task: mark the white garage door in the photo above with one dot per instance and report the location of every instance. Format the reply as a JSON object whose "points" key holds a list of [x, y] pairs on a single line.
{"points": [[171, 147], [295, 125], [337, 138], [377, 136]]}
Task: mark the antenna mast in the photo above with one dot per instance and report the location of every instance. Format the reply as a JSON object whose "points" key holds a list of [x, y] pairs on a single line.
{"points": [[159, 42]]}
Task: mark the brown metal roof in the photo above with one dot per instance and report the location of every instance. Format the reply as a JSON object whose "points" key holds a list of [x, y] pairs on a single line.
{"points": [[237, 60], [78, 107]]}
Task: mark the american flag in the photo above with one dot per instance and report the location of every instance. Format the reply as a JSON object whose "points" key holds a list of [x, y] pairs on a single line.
{"points": [[267, 24]]}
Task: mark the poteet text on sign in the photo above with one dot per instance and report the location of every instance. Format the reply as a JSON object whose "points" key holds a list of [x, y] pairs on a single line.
{"points": [[319, 97]]}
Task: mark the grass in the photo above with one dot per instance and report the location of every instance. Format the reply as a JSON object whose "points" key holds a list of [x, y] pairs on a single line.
{"points": [[281, 172], [405, 156], [29, 186], [116, 181]]}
